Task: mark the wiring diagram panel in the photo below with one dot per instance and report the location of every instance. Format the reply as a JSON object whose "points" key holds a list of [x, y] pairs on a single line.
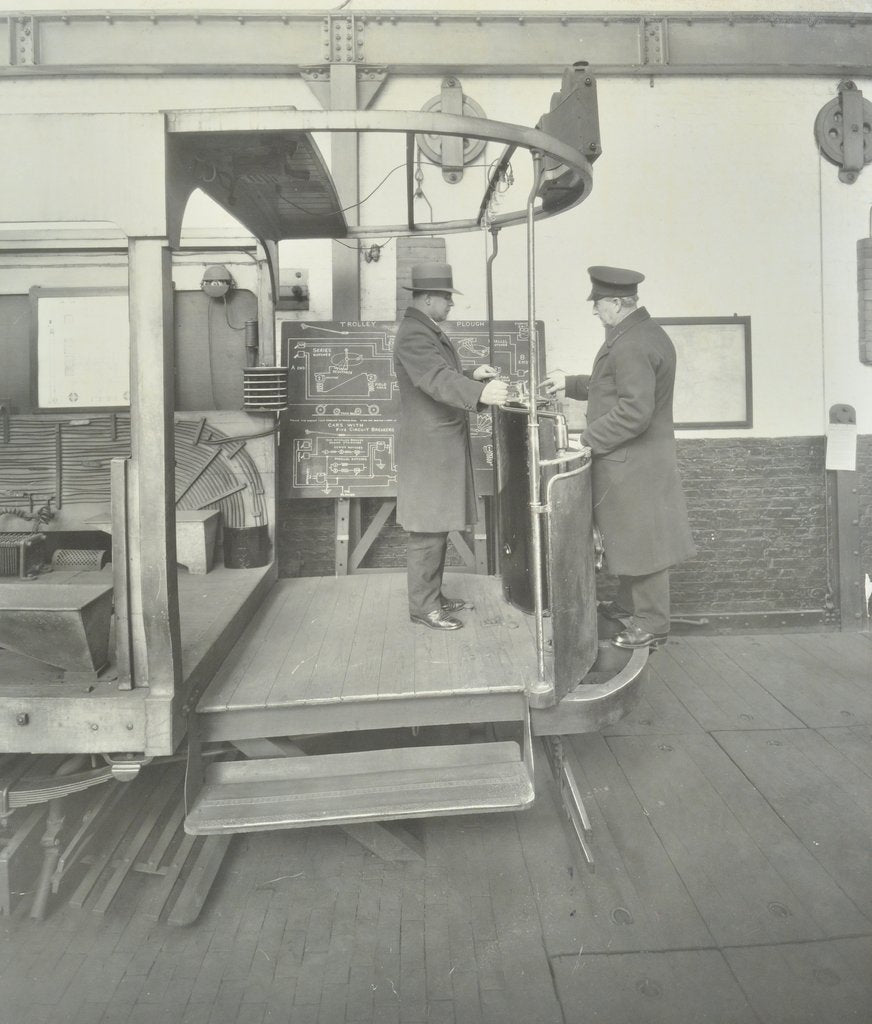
{"points": [[337, 438]]}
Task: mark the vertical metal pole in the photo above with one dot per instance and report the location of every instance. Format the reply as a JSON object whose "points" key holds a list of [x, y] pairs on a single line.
{"points": [[542, 693], [345, 159], [495, 437]]}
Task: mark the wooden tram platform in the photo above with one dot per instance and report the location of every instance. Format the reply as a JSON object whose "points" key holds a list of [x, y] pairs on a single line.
{"points": [[330, 654], [339, 655], [304, 658]]}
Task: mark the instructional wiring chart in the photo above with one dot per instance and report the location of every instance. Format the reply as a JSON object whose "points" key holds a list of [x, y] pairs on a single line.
{"points": [[337, 438]]}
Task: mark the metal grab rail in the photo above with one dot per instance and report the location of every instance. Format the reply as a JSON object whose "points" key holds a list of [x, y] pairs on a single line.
{"points": [[542, 691]]}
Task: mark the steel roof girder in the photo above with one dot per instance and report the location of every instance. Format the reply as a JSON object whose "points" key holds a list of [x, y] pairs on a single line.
{"points": [[438, 42]]}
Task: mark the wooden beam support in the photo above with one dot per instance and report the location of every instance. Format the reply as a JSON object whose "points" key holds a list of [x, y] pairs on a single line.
{"points": [[347, 532], [154, 600], [379, 520], [118, 475]]}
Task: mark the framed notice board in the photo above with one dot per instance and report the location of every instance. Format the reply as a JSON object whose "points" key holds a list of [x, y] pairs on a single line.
{"points": [[338, 434], [713, 375], [80, 348]]}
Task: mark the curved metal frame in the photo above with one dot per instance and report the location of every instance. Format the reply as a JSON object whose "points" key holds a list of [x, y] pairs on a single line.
{"points": [[411, 123]]}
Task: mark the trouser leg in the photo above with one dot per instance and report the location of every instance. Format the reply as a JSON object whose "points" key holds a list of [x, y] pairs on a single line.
{"points": [[425, 562], [650, 601], [624, 596]]}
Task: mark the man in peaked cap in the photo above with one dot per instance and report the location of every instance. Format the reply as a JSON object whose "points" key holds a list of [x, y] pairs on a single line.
{"points": [[638, 502], [435, 490]]}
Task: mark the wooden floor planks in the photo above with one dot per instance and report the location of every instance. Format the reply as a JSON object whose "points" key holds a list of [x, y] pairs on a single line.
{"points": [[347, 638], [807, 983], [366, 652], [261, 646], [715, 690], [635, 898], [658, 988], [824, 799], [731, 814], [814, 691]]}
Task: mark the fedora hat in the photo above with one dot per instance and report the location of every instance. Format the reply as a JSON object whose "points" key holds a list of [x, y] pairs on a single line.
{"points": [[431, 277]]}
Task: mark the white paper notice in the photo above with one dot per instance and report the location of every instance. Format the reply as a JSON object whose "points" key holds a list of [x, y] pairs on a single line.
{"points": [[841, 446]]}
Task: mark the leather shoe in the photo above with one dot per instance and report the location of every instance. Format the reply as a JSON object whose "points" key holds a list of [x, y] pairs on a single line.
{"points": [[437, 620], [612, 610], [633, 638], [451, 604]]}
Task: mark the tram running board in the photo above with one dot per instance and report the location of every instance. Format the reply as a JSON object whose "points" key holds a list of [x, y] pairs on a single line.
{"points": [[373, 785]]}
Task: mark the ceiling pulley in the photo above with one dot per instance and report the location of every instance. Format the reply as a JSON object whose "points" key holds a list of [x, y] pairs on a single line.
{"points": [[843, 129], [451, 152]]}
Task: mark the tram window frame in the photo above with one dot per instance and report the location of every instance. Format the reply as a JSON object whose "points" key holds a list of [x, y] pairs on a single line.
{"points": [[729, 342]]}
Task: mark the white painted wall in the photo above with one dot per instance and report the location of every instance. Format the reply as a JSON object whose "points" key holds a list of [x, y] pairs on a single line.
{"points": [[713, 188]]}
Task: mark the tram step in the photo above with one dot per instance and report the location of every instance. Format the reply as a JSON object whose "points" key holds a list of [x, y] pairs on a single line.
{"points": [[374, 785]]}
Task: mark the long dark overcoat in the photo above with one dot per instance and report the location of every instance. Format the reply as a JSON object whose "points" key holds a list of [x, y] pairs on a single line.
{"points": [[638, 501], [435, 487]]}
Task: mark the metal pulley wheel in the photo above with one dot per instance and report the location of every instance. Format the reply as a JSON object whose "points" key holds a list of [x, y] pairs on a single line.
{"points": [[843, 129], [452, 154]]}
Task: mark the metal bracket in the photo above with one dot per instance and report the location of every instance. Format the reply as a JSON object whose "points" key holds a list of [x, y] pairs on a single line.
{"points": [[342, 39], [126, 767], [654, 38], [449, 151], [369, 81], [843, 129], [22, 41]]}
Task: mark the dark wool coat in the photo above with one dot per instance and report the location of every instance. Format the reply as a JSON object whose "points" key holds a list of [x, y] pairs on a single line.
{"points": [[435, 489], [638, 501]]}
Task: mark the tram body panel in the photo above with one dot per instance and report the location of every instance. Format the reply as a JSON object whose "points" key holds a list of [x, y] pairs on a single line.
{"points": [[571, 572], [513, 499]]}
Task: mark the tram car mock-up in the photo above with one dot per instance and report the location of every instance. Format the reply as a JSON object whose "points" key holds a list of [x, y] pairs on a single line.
{"points": [[294, 701]]}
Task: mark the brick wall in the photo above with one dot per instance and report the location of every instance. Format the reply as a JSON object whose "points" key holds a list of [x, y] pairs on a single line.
{"points": [[758, 514]]}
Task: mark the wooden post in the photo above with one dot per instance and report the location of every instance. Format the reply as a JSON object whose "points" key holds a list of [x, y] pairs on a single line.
{"points": [[480, 536], [154, 601], [118, 469], [347, 532], [267, 296]]}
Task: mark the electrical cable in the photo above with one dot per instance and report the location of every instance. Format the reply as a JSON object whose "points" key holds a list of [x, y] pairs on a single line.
{"points": [[209, 351], [351, 206], [240, 437], [273, 278], [381, 245], [232, 327]]}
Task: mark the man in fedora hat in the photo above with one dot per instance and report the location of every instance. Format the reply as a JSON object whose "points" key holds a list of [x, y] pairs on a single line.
{"points": [[435, 491], [637, 497]]}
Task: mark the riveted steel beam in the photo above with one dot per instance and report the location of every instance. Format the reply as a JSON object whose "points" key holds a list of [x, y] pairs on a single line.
{"points": [[22, 41], [438, 42]]}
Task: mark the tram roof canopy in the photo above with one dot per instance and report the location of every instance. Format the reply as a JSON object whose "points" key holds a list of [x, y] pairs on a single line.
{"points": [[273, 182], [263, 166]]}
